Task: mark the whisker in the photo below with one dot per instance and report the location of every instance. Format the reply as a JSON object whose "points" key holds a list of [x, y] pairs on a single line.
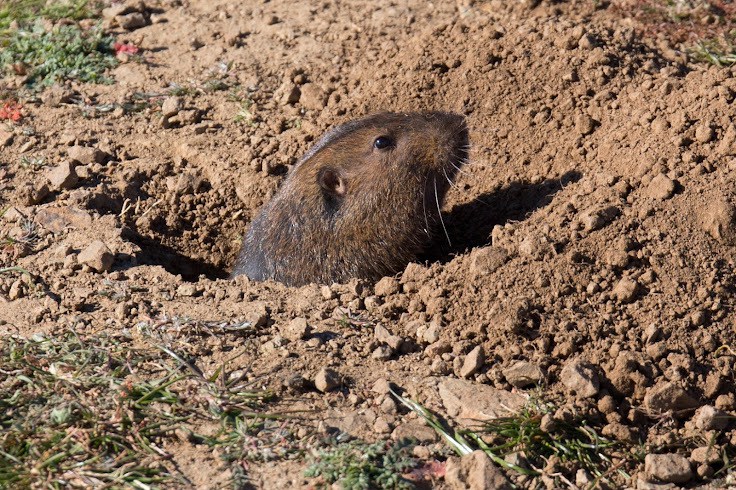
{"points": [[424, 207], [439, 212]]}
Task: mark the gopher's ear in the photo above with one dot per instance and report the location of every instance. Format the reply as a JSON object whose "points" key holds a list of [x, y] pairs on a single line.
{"points": [[332, 182]]}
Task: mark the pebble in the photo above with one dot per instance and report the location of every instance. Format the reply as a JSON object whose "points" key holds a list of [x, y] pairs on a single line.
{"points": [[473, 362], [291, 95], [327, 380], [484, 261], [86, 155], [585, 124], [171, 106], [414, 429], [312, 97], [704, 133], [381, 386], [580, 379], [386, 286], [32, 193], [256, 314], [188, 290], [473, 402], [598, 217], [718, 219], [297, 329], [474, 471], [705, 455], [382, 353], [668, 468], [521, 374], [132, 21], [64, 176], [661, 187], [626, 290], [6, 138], [709, 417], [97, 256], [56, 95], [666, 396]]}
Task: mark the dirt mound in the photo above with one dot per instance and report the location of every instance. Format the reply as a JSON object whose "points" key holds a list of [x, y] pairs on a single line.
{"points": [[590, 237]]}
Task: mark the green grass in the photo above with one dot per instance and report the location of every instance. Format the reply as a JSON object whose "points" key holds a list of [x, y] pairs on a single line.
{"points": [[24, 12], [357, 465], [575, 444], [716, 52], [96, 412], [63, 53]]}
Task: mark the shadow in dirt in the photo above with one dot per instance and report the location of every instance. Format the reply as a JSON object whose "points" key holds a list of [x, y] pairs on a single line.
{"points": [[470, 224], [153, 252]]}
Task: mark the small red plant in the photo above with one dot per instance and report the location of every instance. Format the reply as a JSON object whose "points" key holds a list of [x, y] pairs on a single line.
{"points": [[124, 48], [11, 111]]}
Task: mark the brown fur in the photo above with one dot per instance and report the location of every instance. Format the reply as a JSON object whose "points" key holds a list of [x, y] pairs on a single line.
{"points": [[375, 211]]}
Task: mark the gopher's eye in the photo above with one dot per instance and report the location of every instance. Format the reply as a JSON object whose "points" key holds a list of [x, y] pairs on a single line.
{"points": [[382, 142]]}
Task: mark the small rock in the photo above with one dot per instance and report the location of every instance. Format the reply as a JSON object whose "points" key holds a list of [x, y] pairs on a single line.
{"points": [[620, 432], [626, 290], [291, 95], [56, 95], [386, 286], [256, 314], [484, 261], [474, 471], [32, 193], [718, 219], [708, 417], [381, 386], [472, 402], [297, 329], [382, 353], [327, 380], [6, 138], [414, 429], [661, 187], [704, 133], [432, 333], [86, 155], [585, 124], [666, 396], [188, 290], [172, 106], [706, 455], [580, 379], [63, 177], [668, 468], [132, 21], [296, 382], [381, 426], [598, 217], [97, 256], [473, 362], [522, 373], [312, 97]]}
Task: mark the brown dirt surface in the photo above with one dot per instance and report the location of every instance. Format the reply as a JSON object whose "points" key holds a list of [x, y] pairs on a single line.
{"points": [[592, 231]]}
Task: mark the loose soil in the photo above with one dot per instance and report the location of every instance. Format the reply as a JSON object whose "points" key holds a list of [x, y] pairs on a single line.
{"points": [[594, 225]]}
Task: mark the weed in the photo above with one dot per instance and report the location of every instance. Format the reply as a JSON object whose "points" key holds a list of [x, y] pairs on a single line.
{"points": [[63, 53], [245, 114], [359, 465], [575, 443], [33, 163], [94, 412], [26, 12], [716, 52]]}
